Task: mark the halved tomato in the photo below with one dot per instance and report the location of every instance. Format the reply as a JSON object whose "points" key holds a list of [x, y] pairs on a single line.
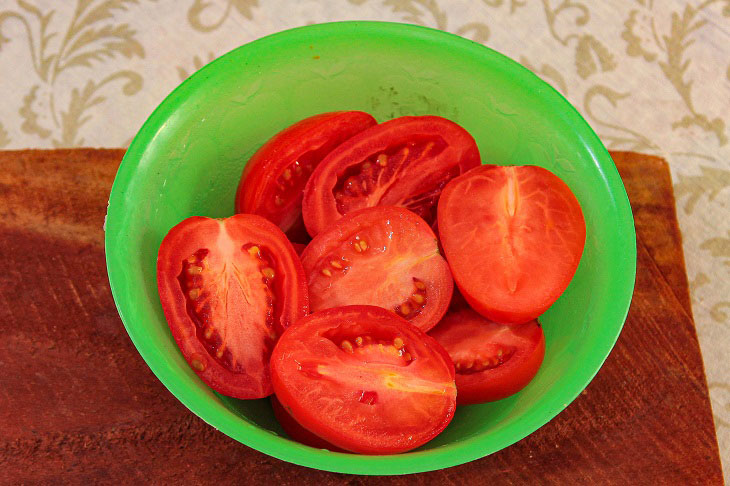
{"points": [[228, 288], [513, 237], [364, 379], [273, 179], [295, 431], [492, 361], [385, 256], [403, 162], [298, 247]]}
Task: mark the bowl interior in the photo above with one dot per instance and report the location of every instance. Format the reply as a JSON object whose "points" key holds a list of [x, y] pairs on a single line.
{"points": [[187, 160]]}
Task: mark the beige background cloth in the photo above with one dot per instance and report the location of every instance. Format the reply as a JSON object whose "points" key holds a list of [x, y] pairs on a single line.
{"points": [[648, 75]]}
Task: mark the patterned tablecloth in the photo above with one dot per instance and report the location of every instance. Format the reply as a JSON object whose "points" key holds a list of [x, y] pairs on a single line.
{"points": [[648, 75]]}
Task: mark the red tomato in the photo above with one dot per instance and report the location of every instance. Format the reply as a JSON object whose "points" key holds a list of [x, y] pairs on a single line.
{"points": [[228, 287], [364, 379], [513, 237], [298, 247], [492, 361], [273, 179], [384, 256], [402, 162], [295, 431]]}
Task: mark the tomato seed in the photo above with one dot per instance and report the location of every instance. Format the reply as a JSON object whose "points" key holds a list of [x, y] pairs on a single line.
{"points": [[326, 272], [194, 293], [346, 346], [336, 264], [195, 270], [197, 365]]}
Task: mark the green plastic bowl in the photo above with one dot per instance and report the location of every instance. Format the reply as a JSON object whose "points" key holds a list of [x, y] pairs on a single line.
{"points": [[187, 160]]}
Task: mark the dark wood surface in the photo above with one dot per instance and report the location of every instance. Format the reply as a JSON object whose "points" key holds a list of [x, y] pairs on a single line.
{"points": [[78, 404]]}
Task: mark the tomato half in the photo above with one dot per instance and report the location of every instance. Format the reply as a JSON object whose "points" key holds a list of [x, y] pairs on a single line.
{"points": [[273, 179], [492, 361], [364, 379], [295, 431], [228, 288], [403, 162], [513, 237], [298, 247], [384, 256]]}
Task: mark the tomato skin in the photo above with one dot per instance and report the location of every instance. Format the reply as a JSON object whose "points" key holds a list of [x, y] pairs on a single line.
{"points": [[513, 237], [295, 430], [468, 338], [401, 252], [298, 247], [298, 148], [422, 154], [244, 341], [369, 398]]}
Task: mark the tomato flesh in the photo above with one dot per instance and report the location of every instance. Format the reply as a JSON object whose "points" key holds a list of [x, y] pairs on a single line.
{"points": [[513, 237], [364, 379], [228, 288], [492, 361], [403, 162], [384, 256], [273, 180]]}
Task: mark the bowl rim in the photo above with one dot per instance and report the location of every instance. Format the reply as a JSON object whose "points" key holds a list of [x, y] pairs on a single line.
{"points": [[412, 462]]}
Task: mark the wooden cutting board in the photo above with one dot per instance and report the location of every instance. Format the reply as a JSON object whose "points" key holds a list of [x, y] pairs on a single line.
{"points": [[78, 404]]}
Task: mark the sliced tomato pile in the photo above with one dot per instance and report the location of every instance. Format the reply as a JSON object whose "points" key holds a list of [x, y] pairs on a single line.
{"points": [[228, 289], [364, 379], [360, 203], [492, 361], [384, 256], [513, 237], [402, 162], [274, 178]]}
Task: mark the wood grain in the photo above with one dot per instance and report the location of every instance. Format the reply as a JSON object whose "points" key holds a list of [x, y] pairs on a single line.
{"points": [[649, 186], [78, 404]]}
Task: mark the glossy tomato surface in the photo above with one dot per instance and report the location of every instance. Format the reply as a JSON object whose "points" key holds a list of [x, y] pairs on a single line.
{"points": [[295, 431], [492, 361], [364, 379], [385, 256], [513, 237], [402, 162], [274, 178], [228, 289]]}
